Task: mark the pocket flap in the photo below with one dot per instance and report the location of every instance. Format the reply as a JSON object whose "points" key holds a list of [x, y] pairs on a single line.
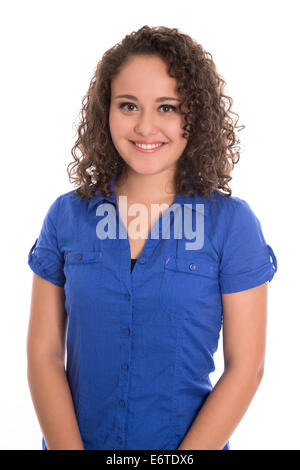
{"points": [[82, 257], [193, 266]]}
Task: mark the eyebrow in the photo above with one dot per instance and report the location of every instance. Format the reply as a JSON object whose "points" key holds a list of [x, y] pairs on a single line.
{"points": [[158, 100]]}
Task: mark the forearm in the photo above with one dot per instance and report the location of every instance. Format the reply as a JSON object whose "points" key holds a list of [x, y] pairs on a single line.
{"points": [[53, 403], [222, 411]]}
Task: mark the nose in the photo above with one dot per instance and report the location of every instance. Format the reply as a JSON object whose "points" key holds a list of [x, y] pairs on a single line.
{"points": [[146, 124]]}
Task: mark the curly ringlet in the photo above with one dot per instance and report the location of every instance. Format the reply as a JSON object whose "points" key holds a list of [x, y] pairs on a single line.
{"points": [[212, 149]]}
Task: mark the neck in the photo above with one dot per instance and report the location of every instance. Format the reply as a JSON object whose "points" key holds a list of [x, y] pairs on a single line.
{"points": [[146, 188]]}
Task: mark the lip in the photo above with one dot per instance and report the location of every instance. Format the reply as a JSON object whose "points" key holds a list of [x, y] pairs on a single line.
{"points": [[148, 150], [150, 142]]}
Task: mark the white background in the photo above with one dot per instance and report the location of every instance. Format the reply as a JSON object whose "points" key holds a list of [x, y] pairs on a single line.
{"points": [[49, 50]]}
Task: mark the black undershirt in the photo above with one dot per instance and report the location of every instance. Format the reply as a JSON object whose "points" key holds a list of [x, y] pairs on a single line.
{"points": [[133, 261]]}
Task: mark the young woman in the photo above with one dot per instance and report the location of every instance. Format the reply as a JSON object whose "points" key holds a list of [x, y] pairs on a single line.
{"points": [[140, 339]]}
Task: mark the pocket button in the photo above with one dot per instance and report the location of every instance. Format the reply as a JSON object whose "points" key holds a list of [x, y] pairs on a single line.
{"points": [[79, 256], [192, 267]]}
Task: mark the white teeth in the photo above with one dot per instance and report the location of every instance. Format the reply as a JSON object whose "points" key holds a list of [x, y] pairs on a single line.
{"points": [[148, 147]]}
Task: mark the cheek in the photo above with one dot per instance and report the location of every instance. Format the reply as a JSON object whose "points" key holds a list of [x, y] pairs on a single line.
{"points": [[176, 128], [116, 124], [111, 121]]}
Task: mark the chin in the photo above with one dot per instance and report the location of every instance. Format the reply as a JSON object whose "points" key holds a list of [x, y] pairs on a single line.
{"points": [[149, 171]]}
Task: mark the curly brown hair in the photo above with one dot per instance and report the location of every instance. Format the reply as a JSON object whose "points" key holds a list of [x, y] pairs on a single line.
{"points": [[212, 148]]}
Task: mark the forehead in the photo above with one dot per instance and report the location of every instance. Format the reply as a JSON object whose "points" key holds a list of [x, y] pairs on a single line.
{"points": [[146, 75]]}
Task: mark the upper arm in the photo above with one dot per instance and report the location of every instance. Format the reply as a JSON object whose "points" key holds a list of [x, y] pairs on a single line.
{"points": [[247, 263], [244, 328], [48, 319], [47, 325]]}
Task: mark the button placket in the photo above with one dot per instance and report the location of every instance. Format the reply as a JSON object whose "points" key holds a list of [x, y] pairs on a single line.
{"points": [[125, 331]]}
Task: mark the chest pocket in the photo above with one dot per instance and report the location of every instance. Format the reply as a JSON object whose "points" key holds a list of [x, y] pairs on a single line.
{"points": [[83, 257], [84, 273], [190, 287]]}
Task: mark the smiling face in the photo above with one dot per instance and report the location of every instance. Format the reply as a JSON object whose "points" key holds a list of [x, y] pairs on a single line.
{"points": [[147, 115]]}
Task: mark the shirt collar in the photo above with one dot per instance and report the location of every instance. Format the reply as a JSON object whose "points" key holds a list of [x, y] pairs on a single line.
{"points": [[99, 198]]}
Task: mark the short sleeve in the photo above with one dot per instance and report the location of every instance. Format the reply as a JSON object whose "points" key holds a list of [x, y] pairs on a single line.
{"points": [[246, 260], [45, 257]]}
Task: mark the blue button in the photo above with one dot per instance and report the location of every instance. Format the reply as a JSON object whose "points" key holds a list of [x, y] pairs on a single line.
{"points": [[124, 366], [127, 296], [126, 332], [118, 439], [121, 403], [192, 267], [142, 260], [79, 256]]}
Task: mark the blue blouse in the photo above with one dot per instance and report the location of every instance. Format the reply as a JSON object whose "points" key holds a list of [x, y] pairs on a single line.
{"points": [[140, 343]]}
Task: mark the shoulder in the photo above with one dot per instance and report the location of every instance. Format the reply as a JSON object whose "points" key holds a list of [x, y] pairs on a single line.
{"points": [[227, 207], [237, 211], [68, 201], [237, 224], [231, 220], [68, 197], [221, 201], [64, 209], [221, 210]]}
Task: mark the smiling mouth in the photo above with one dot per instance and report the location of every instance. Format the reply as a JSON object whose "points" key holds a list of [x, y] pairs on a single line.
{"points": [[147, 148]]}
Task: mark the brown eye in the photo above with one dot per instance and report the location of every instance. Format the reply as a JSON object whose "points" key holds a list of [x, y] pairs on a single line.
{"points": [[123, 105], [126, 106], [168, 106]]}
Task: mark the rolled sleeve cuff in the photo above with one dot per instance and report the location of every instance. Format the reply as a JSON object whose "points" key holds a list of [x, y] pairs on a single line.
{"points": [[37, 268], [243, 281]]}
